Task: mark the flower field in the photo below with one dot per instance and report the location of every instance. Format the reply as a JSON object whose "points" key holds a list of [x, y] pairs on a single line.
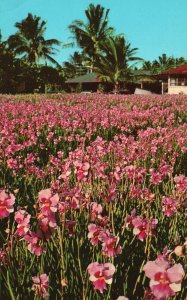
{"points": [[93, 191]]}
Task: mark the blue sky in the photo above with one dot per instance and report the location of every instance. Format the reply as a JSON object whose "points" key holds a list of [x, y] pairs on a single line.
{"points": [[153, 26]]}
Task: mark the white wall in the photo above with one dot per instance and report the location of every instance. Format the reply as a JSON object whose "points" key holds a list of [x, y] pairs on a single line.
{"points": [[142, 92], [177, 90]]}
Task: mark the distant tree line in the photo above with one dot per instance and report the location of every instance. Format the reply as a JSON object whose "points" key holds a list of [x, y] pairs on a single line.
{"points": [[27, 59], [163, 63]]}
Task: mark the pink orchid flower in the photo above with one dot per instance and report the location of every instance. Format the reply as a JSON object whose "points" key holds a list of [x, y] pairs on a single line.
{"points": [[100, 275], [22, 219], [33, 243], [41, 285], [165, 279], [49, 202], [156, 177], [181, 183], [81, 169], [96, 233], [169, 206], [95, 210], [6, 204], [143, 227], [47, 222], [110, 246]]}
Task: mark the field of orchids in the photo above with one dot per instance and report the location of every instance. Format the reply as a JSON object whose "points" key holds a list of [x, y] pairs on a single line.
{"points": [[93, 191]]}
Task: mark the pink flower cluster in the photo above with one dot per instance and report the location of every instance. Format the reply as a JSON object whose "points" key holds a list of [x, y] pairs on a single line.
{"points": [[22, 218], [33, 239], [181, 183], [169, 206], [34, 243], [6, 204], [81, 170], [48, 205], [141, 227], [110, 246], [95, 210], [101, 156]]}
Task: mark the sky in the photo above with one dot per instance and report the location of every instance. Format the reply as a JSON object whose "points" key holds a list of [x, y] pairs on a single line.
{"points": [[152, 26]]}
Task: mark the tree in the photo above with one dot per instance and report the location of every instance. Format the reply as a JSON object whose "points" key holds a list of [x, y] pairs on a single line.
{"points": [[147, 65], [112, 64], [90, 35], [163, 63], [8, 68], [75, 66], [180, 61], [50, 78], [29, 42]]}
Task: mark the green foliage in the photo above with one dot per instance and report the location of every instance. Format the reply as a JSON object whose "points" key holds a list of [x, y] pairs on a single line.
{"points": [[29, 41], [163, 63], [112, 63], [91, 34]]}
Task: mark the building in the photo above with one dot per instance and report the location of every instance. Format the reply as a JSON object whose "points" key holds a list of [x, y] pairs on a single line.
{"points": [[91, 82], [144, 82], [87, 82], [174, 81]]}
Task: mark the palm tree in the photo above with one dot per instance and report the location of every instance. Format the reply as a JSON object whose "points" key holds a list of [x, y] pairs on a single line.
{"points": [[112, 65], [8, 68], [29, 41], [75, 66], [163, 63], [180, 61], [90, 35], [147, 65]]}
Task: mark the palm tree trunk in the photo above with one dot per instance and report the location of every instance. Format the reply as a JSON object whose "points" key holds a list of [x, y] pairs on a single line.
{"points": [[116, 87]]}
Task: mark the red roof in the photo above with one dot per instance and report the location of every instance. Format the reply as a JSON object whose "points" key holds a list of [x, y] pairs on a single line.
{"points": [[179, 70]]}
